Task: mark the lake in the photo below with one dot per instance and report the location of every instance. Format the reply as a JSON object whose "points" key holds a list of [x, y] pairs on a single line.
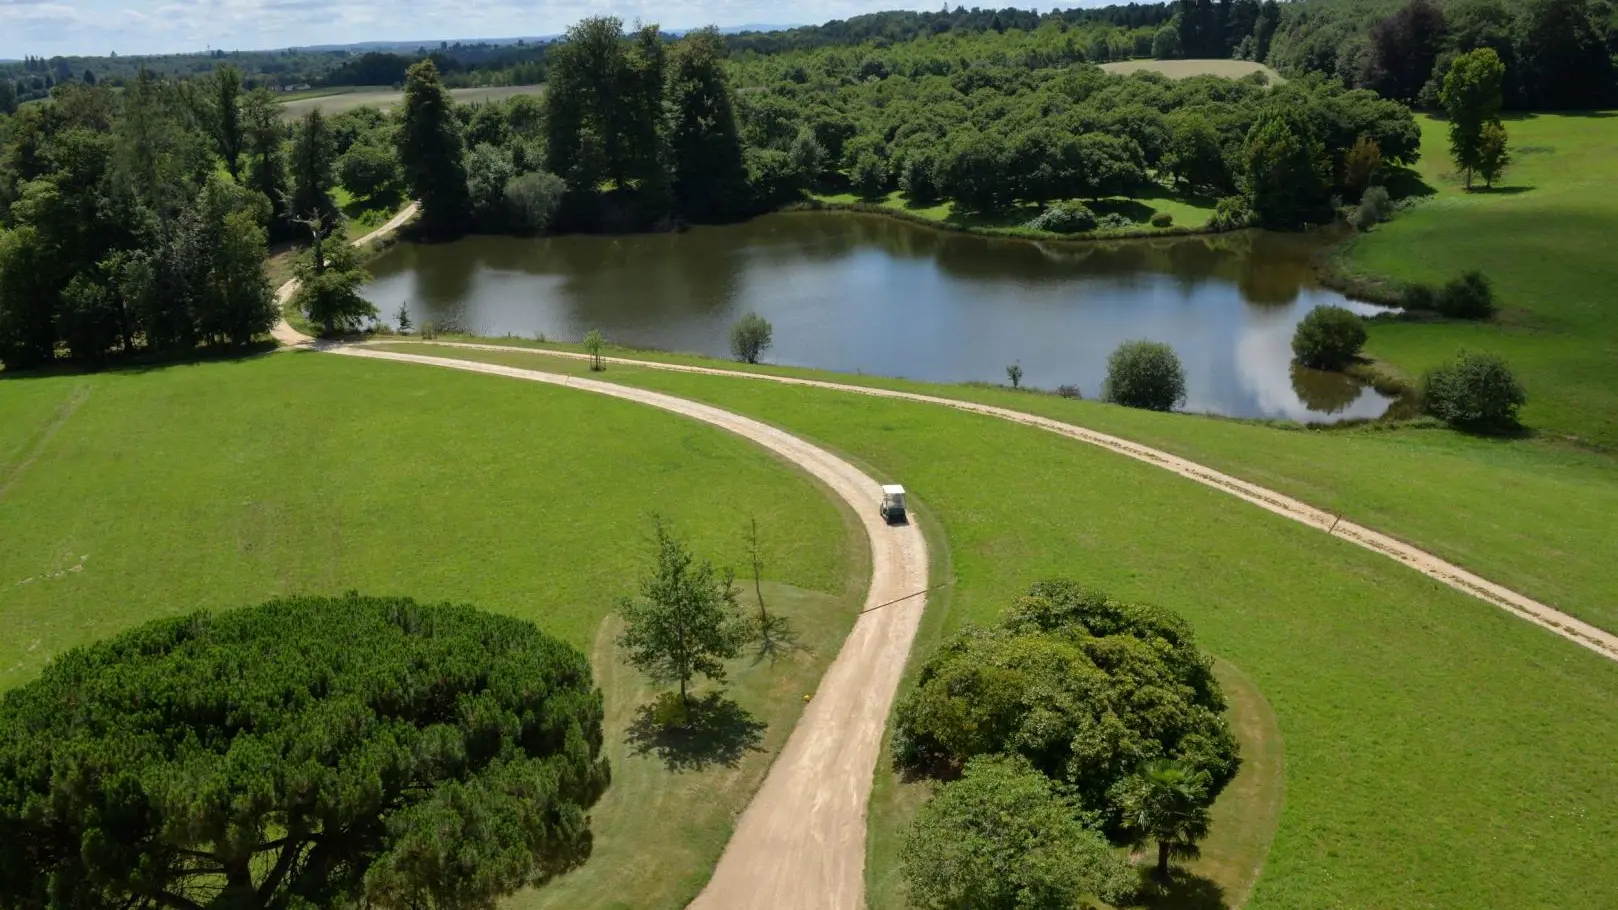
{"points": [[868, 294]]}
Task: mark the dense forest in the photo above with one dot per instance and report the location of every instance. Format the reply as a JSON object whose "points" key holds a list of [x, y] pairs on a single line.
{"points": [[1559, 54]]}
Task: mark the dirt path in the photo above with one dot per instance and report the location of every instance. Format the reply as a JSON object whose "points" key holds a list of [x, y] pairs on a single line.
{"points": [[282, 331], [1543, 615], [800, 845]]}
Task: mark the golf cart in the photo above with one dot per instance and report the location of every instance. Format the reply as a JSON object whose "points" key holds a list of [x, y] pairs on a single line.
{"points": [[893, 504]]}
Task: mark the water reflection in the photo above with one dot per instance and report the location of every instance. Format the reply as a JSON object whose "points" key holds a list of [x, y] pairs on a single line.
{"points": [[869, 294]]}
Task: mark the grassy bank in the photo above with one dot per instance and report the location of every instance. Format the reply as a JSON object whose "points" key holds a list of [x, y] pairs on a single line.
{"points": [[1545, 237], [1190, 215], [1401, 702], [1534, 515], [130, 496]]}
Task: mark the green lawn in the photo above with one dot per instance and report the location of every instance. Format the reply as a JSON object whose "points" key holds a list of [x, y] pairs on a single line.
{"points": [[126, 497], [1534, 515], [1187, 211], [1439, 753], [1546, 237]]}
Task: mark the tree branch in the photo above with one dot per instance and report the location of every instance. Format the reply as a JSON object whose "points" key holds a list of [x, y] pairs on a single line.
{"points": [[176, 901]]}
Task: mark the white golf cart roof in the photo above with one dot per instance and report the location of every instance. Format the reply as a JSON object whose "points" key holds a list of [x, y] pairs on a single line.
{"points": [[893, 490]]}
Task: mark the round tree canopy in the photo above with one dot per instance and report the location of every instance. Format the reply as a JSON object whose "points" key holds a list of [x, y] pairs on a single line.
{"points": [[311, 751]]}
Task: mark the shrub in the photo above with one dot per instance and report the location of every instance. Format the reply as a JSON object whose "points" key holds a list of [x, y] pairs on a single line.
{"points": [[1069, 391], [241, 737], [1113, 221], [1162, 220], [1470, 296], [1064, 218], [1232, 213], [532, 201], [1475, 392], [1375, 207], [750, 337], [1418, 297], [1145, 374], [1329, 338]]}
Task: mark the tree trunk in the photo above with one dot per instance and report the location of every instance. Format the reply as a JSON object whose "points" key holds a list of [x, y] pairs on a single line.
{"points": [[1163, 861]]}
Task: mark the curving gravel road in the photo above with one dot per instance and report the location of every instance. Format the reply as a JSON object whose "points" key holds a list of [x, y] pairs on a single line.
{"points": [[800, 845]]}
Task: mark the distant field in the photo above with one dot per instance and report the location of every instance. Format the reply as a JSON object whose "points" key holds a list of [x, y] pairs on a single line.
{"points": [[1179, 69], [335, 101]]}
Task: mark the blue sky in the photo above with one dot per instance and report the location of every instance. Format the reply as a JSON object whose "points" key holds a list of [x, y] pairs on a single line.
{"points": [[96, 27]]}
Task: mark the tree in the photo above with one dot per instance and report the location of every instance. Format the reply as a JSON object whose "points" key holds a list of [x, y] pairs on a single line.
{"points": [[1005, 837], [330, 276], [593, 343], [1493, 155], [1404, 47], [430, 152], [1166, 44], [313, 161], [685, 623], [750, 337], [1167, 802], [1084, 687], [488, 171], [1145, 374], [869, 176], [1361, 164], [300, 753], [1195, 156], [266, 171], [1329, 338], [533, 200], [8, 96], [1285, 167], [1470, 296], [1563, 63], [1472, 97], [370, 170], [1476, 392], [705, 148], [1014, 373], [226, 86]]}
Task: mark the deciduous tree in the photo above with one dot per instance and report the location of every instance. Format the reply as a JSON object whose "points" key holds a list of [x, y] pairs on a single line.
{"points": [[1472, 97], [685, 624], [226, 89], [705, 149], [750, 337], [1145, 374], [313, 167]]}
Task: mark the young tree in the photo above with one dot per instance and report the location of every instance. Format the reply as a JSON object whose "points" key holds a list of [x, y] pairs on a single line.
{"points": [[1006, 837], [1145, 374], [226, 86], [1167, 802], [1475, 392], [330, 275], [705, 149], [1493, 155], [1361, 164], [685, 623], [1471, 95], [431, 152], [750, 337], [313, 160], [593, 343], [1014, 373], [341, 704]]}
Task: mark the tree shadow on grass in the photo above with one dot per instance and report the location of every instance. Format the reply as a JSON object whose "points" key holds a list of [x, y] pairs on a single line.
{"points": [[717, 731], [1405, 183], [1187, 891], [1500, 190]]}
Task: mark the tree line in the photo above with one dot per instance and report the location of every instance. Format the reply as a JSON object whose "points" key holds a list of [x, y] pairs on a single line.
{"points": [[1558, 54]]}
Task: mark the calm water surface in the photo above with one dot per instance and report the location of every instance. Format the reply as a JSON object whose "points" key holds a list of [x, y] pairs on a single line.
{"points": [[867, 294]]}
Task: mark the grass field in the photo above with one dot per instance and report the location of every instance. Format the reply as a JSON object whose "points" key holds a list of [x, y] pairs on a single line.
{"points": [[130, 496], [1439, 753], [1534, 515], [1188, 211], [1546, 239], [1181, 69], [338, 100]]}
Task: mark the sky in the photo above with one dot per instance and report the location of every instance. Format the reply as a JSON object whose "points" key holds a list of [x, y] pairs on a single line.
{"points": [[96, 27]]}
